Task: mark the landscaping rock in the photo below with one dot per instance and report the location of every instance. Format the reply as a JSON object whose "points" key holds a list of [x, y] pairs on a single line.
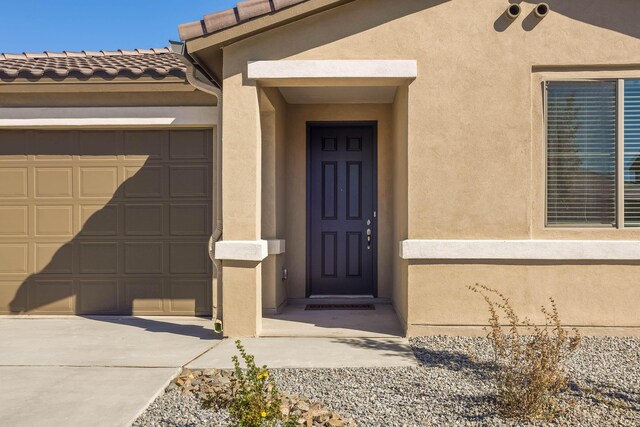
{"points": [[450, 387]]}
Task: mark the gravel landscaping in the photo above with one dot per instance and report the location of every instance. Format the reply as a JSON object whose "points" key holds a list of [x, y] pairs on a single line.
{"points": [[448, 388]]}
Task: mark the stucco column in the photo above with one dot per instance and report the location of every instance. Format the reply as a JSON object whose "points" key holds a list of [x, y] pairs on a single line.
{"points": [[241, 206]]}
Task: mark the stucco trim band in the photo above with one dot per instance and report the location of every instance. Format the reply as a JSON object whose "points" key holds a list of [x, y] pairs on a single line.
{"points": [[206, 116], [521, 249], [276, 246], [332, 69], [242, 250]]}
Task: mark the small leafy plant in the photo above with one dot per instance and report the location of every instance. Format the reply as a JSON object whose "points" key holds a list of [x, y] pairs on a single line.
{"points": [[530, 372], [254, 400]]}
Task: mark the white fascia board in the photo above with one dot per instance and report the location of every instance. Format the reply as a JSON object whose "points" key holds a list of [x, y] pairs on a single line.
{"points": [[333, 69], [30, 117], [614, 250], [242, 250]]}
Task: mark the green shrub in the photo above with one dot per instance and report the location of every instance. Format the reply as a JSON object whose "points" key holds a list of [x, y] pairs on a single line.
{"points": [[530, 372], [254, 400]]}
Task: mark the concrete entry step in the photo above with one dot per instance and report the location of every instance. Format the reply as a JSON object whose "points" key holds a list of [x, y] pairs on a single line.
{"points": [[313, 353], [295, 321]]}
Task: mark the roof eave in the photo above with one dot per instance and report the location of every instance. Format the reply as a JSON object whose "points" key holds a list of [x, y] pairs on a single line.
{"points": [[260, 24]]}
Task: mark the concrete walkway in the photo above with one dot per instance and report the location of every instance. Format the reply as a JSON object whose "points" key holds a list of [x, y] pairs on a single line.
{"points": [[104, 371], [101, 371], [313, 353]]}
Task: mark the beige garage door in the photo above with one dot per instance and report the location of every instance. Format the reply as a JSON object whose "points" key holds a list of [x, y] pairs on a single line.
{"points": [[105, 222]]}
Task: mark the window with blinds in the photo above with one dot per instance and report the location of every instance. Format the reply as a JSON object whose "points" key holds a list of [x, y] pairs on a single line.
{"points": [[581, 153], [632, 153]]}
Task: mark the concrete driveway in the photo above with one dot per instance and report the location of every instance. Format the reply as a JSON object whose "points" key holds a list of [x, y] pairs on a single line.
{"points": [[97, 371], [104, 371]]}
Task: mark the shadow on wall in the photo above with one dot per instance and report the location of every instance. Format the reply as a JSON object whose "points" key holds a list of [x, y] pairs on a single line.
{"points": [[616, 15], [358, 22], [141, 251]]}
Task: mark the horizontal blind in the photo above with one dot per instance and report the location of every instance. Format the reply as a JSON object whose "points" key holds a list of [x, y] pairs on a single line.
{"points": [[581, 153], [632, 153]]}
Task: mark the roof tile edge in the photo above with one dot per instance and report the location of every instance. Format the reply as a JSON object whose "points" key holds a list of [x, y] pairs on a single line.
{"points": [[244, 11]]}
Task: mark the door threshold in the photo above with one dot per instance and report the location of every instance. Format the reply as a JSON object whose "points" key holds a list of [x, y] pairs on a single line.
{"points": [[340, 299], [340, 296]]}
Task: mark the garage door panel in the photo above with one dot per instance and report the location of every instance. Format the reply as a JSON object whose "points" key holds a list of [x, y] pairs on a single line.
{"points": [[98, 257], [53, 182], [188, 296], [144, 296], [100, 146], [15, 145], [190, 220], [99, 220], [144, 220], [53, 296], [14, 258], [143, 257], [53, 146], [105, 222], [143, 181], [190, 145], [13, 183], [145, 145], [98, 182], [54, 221], [189, 181], [54, 258], [189, 258], [13, 297], [98, 296], [14, 220]]}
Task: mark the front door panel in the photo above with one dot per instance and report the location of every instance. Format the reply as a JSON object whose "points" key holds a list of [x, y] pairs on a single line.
{"points": [[342, 221]]}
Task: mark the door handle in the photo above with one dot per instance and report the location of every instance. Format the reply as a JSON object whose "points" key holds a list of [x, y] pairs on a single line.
{"points": [[368, 239]]}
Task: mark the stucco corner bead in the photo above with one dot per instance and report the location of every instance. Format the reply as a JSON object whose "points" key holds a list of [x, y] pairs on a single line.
{"points": [[242, 250], [276, 246], [521, 249]]}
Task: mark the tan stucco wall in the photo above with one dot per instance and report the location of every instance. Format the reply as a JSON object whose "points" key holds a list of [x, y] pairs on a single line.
{"points": [[473, 142], [587, 294], [296, 177], [400, 194], [273, 119]]}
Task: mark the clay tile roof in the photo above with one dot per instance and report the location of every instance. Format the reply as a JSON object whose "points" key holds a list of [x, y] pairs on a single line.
{"points": [[244, 11], [157, 63]]}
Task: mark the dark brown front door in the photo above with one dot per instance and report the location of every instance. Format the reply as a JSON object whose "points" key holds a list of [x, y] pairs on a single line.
{"points": [[342, 209]]}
